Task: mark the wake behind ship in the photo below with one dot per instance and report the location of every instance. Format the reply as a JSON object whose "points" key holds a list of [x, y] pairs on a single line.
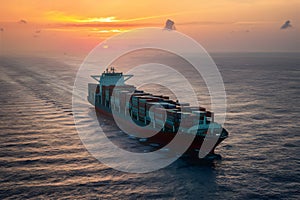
{"points": [[112, 97]]}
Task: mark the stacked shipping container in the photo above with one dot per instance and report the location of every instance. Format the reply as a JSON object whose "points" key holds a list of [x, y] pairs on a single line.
{"points": [[146, 107]]}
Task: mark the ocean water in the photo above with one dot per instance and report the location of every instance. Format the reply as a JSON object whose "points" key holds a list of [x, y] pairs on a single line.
{"points": [[42, 156]]}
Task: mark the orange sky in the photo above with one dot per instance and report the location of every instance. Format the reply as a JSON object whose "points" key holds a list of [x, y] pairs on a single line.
{"points": [[219, 25]]}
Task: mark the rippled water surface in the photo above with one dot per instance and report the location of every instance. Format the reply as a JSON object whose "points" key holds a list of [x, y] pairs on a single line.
{"points": [[41, 155]]}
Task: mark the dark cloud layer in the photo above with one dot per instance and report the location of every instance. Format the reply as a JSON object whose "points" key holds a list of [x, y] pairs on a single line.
{"points": [[103, 25], [134, 25]]}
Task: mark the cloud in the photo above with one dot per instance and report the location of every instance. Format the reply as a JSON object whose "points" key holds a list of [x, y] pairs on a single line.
{"points": [[205, 23], [240, 31], [59, 16], [103, 25], [286, 25], [170, 25], [1, 29], [22, 21], [130, 25]]}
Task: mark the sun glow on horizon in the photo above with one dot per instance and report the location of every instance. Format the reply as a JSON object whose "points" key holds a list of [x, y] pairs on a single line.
{"points": [[98, 19], [58, 16], [225, 25]]}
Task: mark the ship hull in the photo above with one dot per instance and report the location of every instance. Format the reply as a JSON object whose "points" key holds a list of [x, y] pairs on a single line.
{"points": [[163, 138]]}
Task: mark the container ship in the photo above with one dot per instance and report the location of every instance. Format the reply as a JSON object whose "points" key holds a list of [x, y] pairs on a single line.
{"points": [[112, 97]]}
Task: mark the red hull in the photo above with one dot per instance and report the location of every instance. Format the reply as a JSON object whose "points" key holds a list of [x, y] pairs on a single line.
{"points": [[163, 138]]}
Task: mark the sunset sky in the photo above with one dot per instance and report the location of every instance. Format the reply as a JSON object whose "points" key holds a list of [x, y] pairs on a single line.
{"points": [[63, 26]]}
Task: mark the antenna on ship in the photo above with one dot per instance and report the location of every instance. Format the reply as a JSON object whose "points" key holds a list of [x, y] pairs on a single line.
{"points": [[112, 69]]}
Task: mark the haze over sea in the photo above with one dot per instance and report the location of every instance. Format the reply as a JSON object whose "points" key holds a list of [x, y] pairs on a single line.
{"points": [[41, 154]]}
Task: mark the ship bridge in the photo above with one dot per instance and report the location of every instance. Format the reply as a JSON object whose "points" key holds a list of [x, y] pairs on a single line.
{"points": [[111, 77]]}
